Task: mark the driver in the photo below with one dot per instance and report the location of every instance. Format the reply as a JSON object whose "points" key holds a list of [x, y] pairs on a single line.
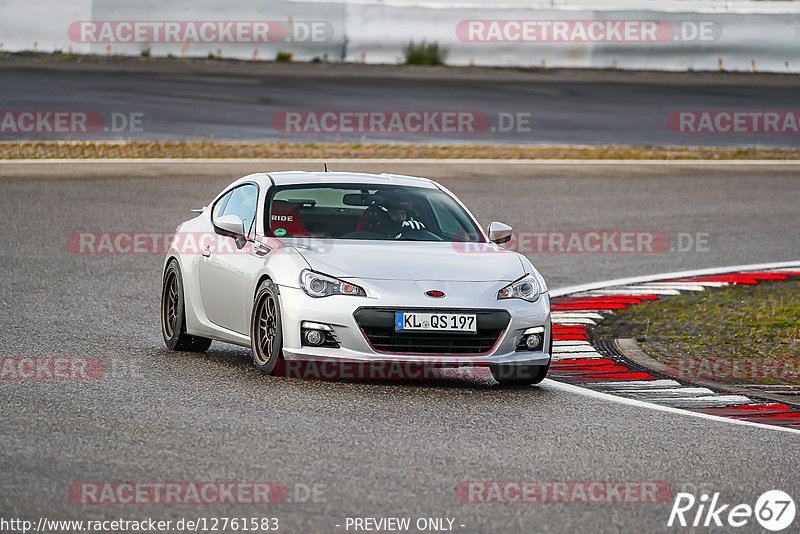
{"points": [[394, 216]]}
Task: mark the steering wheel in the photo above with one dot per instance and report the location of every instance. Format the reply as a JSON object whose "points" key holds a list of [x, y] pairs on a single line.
{"points": [[418, 235]]}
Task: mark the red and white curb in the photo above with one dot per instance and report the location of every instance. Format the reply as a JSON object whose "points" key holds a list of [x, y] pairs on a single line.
{"points": [[578, 362]]}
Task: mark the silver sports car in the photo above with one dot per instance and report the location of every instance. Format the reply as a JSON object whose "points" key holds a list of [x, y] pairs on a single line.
{"points": [[354, 268]]}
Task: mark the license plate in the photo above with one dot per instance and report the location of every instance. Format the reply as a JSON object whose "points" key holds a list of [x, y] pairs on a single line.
{"points": [[443, 322]]}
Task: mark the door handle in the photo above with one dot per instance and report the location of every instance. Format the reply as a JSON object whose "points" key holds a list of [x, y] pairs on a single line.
{"points": [[206, 252]]}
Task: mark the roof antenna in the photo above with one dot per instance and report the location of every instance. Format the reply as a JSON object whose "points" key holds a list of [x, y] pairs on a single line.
{"points": [[325, 165]]}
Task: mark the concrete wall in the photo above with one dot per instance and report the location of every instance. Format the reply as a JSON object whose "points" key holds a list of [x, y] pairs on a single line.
{"points": [[745, 40]]}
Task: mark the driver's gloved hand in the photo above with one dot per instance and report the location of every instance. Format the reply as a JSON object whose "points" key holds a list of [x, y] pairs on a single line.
{"points": [[413, 225]]}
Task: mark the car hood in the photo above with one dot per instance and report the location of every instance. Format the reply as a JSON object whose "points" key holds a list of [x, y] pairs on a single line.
{"points": [[412, 260]]}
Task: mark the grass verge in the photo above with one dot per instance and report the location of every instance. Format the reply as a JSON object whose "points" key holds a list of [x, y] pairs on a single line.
{"points": [[425, 53], [212, 149], [743, 334]]}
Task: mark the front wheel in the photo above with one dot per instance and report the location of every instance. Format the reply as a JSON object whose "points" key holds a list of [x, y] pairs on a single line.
{"points": [[173, 322], [266, 331], [521, 375]]}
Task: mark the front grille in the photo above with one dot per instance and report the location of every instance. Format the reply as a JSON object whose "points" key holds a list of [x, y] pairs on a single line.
{"points": [[377, 324]]}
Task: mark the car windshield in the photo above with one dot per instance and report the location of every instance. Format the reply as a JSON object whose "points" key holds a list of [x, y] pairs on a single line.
{"points": [[375, 212]]}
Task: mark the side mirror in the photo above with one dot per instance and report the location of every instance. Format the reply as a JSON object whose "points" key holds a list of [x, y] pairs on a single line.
{"points": [[230, 223], [499, 233], [233, 225]]}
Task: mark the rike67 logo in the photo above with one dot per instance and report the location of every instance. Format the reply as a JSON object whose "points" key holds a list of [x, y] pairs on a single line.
{"points": [[774, 510]]}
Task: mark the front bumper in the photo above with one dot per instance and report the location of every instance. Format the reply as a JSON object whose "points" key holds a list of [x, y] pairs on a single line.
{"points": [[340, 312]]}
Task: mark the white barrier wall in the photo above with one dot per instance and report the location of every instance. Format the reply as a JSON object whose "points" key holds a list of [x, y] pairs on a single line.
{"points": [[698, 41], [376, 33]]}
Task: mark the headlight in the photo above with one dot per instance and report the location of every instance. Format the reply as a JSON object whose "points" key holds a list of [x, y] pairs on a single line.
{"points": [[526, 288], [322, 285]]}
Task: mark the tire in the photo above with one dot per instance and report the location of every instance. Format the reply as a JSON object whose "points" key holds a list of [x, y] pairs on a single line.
{"points": [[520, 375], [173, 320], [266, 328], [510, 374]]}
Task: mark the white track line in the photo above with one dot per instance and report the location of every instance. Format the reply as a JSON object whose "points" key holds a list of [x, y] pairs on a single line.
{"points": [[674, 286], [699, 285], [578, 390], [664, 276], [635, 385], [574, 348], [558, 356], [711, 401], [637, 290], [575, 315], [674, 393]]}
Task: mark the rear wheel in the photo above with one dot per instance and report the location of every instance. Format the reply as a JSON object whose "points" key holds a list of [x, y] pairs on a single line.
{"points": [[266, 328], [173, 321]]}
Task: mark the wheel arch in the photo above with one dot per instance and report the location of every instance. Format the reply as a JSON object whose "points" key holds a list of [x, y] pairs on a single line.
{"points": [[167, 261], [263, 278]]}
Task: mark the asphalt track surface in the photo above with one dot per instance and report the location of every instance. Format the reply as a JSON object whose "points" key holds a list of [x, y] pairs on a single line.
{"points": [[374, 448], [244, 101]]}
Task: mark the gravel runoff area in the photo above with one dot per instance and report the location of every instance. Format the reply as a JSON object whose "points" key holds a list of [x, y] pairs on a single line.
{"points": [[741, 334], [211, 149]]}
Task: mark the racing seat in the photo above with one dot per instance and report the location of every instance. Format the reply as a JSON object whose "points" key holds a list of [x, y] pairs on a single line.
{"points": [[285, 215], [368, 220]]}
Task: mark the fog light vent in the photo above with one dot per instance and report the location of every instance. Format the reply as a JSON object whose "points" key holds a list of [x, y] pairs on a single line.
{"points": [[531, 339], [317, 335]]}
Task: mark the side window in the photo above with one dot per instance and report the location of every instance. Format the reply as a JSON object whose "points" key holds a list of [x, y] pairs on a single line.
{"points": [[219, 207], [447, 221], [242, 202]]}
